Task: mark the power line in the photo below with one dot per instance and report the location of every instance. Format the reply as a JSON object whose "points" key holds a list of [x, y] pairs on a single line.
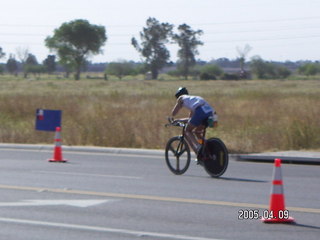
{"points": [[206, 43], [195, 24], [260, 31], [264, 39], [205, 33], [259, 21]]}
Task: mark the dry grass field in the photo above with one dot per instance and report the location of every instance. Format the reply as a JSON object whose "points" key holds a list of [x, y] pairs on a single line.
{"points": [[254, 116]]}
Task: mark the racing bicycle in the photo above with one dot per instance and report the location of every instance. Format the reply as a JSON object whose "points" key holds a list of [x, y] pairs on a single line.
{"points": [[213, 155]]}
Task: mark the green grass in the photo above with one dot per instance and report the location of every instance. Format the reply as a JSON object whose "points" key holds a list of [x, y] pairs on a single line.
{"points": [[254, 116]]}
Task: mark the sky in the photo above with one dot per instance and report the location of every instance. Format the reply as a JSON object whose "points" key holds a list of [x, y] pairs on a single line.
{"points": [[277, 30]]}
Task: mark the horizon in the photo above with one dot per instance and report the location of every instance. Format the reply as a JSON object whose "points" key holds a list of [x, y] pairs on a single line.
{"points": [[276, 31]]}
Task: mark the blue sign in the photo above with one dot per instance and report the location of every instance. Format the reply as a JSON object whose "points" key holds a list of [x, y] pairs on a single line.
{"points": [[48, 120]]}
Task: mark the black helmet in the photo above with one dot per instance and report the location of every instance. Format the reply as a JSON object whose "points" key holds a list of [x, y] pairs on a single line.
{"points": [[181, 91]]}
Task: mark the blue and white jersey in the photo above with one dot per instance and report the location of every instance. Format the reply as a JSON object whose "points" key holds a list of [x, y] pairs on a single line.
{"points": [[193, 102]]}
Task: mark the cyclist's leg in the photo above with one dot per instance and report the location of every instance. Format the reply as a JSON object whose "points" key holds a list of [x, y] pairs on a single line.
{"points": [[194, 125], [199, 131], [190, 137]]}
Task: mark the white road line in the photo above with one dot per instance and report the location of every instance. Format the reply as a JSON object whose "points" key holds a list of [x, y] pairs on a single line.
{"points": [[88, 174], [134, 155], [57, 202], [103, 229], [90, 153]]}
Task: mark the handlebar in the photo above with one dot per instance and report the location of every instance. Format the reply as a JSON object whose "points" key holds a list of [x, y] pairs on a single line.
{"points": [[176, 123]]}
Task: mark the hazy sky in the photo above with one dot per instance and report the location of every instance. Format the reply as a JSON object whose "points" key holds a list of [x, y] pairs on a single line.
{"points": [[275, 29]]}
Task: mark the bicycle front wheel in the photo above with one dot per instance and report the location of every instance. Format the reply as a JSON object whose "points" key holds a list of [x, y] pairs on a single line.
{"points": [[217, 157], [177, 155]]}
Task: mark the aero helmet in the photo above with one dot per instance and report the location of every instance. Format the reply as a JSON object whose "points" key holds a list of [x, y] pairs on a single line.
{"points": [[181, 91]]}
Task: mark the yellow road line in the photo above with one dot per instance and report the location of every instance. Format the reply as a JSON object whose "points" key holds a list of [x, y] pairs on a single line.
{"points": [[156, 198]]}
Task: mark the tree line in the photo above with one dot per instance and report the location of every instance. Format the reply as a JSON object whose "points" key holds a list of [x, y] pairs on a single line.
{"points": [[75, 41]]}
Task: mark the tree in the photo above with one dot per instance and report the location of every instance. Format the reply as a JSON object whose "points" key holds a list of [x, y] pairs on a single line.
{"points": [[12, 65], [30, 64], [243, 52], [75, 41], [22, 54], [31, 60], [188, 42], [2, 54], [153, 49], [50, 63], [259, 67]]}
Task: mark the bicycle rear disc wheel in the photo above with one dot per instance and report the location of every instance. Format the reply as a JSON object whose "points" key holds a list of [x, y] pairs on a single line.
{"points": [[177, 155], [217, 157]]}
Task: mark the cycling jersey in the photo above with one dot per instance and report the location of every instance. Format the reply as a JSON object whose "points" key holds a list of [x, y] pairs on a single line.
{"points": [[200, 109], [192, 102]]}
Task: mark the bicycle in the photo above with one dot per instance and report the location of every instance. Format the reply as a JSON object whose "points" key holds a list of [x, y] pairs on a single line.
{"points": [[213, 155]]}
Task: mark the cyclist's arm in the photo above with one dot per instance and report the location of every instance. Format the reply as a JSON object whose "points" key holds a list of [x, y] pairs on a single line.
{"points": [[184, 120], [177, 107]]}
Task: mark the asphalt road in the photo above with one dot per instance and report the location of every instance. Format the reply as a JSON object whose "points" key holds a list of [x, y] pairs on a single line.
{"points": [[132, 196]]}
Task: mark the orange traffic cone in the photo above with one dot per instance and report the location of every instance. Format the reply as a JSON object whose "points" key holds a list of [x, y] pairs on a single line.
{"points": [[57, 155], [277, 211]]}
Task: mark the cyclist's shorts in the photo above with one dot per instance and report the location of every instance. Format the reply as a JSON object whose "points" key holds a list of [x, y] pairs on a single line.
{"points": [[200, 114]]}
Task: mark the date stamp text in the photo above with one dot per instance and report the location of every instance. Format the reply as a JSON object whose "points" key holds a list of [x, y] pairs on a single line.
{"points": [[255, 214]]}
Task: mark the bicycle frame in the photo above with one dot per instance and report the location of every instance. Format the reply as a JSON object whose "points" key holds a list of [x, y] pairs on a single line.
{"points": [[180, 145], [213, 149], [184, 125]]}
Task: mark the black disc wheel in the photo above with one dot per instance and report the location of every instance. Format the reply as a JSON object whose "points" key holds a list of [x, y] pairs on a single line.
{"points": [[216, 157]]}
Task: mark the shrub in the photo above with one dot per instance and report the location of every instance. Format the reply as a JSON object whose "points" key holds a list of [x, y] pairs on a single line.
{"points": [[268, 70], [309, 69], [229, 76], [210, 71], [207, 76]]}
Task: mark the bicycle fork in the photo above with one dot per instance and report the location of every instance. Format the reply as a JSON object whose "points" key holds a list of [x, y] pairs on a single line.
{"points": [[180, 150]]}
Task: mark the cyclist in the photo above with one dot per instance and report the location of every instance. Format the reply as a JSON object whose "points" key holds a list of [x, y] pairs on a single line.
{"points": [[200, 111]]}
